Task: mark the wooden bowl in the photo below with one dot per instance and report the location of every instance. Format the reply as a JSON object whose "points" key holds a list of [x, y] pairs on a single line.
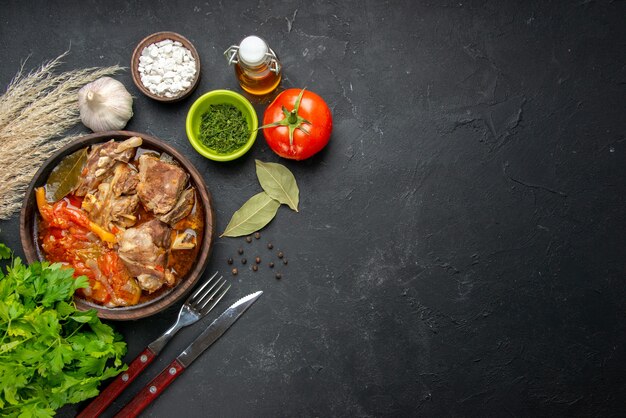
{"points": [[157, 37], [29, 230]]}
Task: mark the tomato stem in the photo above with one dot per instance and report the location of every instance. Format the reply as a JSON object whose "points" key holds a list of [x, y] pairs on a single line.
{"points": [[292, 119]]}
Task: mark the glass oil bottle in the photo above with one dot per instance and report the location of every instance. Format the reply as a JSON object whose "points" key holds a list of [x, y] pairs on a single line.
{"points": [[256, 66]]}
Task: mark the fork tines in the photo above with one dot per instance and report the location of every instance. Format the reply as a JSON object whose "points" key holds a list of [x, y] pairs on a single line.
{"points": [[201, 299]]}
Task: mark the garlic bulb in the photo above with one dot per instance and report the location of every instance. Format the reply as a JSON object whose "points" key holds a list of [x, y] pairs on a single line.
{"points": [[105, 105]]}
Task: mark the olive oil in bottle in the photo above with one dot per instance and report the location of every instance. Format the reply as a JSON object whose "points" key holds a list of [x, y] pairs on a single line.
{"points": [[256, 66]]}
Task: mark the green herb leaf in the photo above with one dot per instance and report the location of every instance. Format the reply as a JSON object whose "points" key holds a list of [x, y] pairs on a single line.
{"points": [[257, 212], [50, 353], [5, 252], [65, 176], [279, 183]]}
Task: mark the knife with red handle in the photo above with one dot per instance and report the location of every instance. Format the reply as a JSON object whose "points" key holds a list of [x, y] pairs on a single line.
{"points": [[117, 386], [198, 305], [217, 328]]}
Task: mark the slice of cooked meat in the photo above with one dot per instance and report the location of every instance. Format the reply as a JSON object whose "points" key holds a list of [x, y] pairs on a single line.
{"points": [[106, 208], [152, 283], [149, 283], [181, 209], [125, 180], [123, 209], [144, 252], [96, 205], [159, 232], [101, 160], [160, 184]]}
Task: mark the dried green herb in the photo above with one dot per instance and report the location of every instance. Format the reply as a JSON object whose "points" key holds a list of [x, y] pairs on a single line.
{"points": [[279, 183], [257, 212], [65, 176], [224, 128]]}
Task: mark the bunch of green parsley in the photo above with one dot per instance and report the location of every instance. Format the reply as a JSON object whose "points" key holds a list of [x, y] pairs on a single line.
{"points": [[50, 353]]}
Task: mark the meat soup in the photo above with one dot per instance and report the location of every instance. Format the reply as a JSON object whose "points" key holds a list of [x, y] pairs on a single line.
{"points": [[132, 224]]}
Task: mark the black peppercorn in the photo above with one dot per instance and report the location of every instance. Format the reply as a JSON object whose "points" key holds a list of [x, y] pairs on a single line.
{"points": [[248, 239], [230, 260], [270, 245], [235, 271], [285, 261], [279, 276], [240, 251], [244, 261], [257, 260], [271, 264], [255, 267], [280, 254], [257, 235]]}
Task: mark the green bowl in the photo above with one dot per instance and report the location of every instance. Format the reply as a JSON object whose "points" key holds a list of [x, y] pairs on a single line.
{"points": [[200, 106]]}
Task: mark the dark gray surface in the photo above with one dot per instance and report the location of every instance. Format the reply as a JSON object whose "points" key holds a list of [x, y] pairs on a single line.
{"points": [[460, 248]]}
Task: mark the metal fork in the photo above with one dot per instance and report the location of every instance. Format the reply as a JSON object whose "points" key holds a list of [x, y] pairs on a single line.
{"points": [[195, 307]]}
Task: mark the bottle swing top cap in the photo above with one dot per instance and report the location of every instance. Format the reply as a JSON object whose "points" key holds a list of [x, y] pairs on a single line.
{"points": [[252, 50]]}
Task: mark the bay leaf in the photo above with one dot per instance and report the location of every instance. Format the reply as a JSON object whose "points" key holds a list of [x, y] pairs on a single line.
{"points": [[257, 212], [279, 183], [65, 177]]}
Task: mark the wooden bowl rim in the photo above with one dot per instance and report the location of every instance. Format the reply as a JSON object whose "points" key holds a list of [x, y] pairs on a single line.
{"points": [[156, 37], [28, 217]]}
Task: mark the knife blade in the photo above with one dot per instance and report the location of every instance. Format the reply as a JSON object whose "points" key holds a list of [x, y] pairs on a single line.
{"points": [[214, 331]]}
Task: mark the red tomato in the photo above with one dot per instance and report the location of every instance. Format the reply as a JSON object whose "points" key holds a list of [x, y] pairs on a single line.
{"points": [[118, 279], [297, 124]]}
